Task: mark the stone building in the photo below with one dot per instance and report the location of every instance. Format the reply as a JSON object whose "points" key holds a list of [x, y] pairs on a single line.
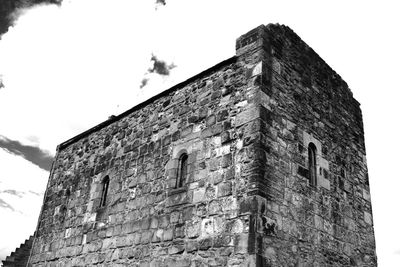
{"points": [[257, 161]]}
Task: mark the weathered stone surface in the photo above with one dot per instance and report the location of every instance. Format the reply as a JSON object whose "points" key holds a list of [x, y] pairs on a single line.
{"points": [[246, 199]]}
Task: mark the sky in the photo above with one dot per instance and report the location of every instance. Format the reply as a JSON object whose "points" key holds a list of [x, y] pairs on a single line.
{"points": [[65, 68]]}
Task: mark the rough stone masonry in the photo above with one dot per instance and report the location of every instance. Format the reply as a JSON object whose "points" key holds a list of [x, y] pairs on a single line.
{"points": [[257, 161]]}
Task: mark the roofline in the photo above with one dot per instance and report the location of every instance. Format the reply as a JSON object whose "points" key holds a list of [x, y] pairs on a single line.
{"points": [[145, 103]]}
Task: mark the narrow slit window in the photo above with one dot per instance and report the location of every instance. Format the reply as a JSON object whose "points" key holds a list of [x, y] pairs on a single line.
{"points": [[105, 183], [182, 170], [312, 164]]}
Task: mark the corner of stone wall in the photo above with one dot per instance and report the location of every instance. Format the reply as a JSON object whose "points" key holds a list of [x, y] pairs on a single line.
{"points": [[306, 101], [254, 52], [35, 246]]}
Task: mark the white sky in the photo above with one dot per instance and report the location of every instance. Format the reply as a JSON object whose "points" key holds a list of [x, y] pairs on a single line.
{"points": [[68, 68]]}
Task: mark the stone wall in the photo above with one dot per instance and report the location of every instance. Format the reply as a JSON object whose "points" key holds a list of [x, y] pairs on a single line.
{"points": [[245, 124], [297, 224], [146, 221]]}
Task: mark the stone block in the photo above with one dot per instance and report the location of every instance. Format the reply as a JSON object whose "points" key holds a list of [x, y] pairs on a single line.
{"points": [[207, 227], [166, 140], [179, 231], [214, 207], [154, 222], [207, 132], [144, 264], [205, 244], [186, 131], [145, 223], [126, 228], [193, 229], [226, 161], [122, 241], [168, 234], [366, 195], [217, 128], [199, 194], [223, 240], [235, 226], [157, 236], [211, 120], [222, 115], [146, 237], [136, 238], [174, 218], [224, 189], [241, 243], [163, 221], [225, 137], [367, 218], [324, 183], [176, 249], [247, 115], [178, 197], [203, 112], [216, 177], [191, 246]]}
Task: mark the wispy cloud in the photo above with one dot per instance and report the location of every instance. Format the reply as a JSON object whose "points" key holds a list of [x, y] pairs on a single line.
{"points": [[35, 193], [4, 204], [34, 154], [13, 192]]}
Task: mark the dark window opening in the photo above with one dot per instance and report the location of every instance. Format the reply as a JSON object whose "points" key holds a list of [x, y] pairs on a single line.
{"points": [[105, 183], [182, 170], [63, 213], [312, 164]]}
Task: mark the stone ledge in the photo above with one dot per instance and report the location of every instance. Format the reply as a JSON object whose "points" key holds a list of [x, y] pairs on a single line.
{"points": [[174, 191]]}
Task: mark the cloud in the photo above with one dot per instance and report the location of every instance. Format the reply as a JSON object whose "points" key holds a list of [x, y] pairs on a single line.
{"points": [[144, 82], [21, 194], [5, 205], [13, 192], [34, 154], [74, 71], [161, 2], [35, 193], [10, 10], [160, 66]]}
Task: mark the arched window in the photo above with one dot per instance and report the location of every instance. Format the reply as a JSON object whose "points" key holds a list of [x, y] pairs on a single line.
{"points": [[182, 170], [105, 183], [312, 164]]}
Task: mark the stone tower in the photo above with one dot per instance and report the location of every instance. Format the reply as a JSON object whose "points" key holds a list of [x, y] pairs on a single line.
{"points": [[257, 161]]}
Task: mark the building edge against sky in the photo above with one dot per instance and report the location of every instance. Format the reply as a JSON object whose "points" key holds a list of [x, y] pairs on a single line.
{"points": [[274, 171]]}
